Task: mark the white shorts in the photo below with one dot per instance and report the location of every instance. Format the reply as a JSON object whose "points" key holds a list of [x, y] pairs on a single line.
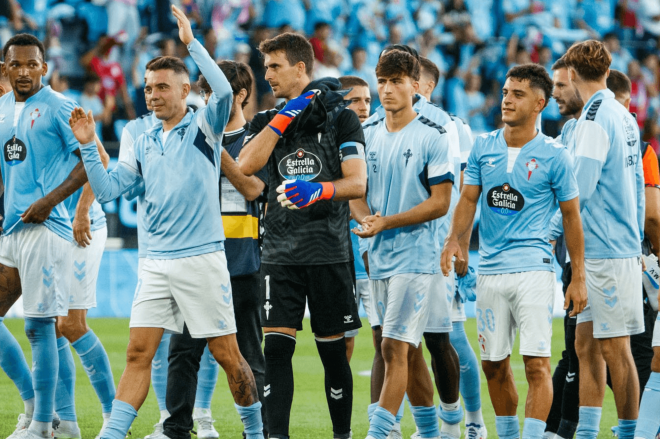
{"points": [[363, 293], [86, 264], [195, 290], [614, 289], [440, 309], [457, 311], [656, 333], [515, 300], [401, 304], [43, 260]]}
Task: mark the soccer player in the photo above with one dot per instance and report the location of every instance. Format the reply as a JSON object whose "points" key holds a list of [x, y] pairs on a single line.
{"points": [[470, 380], [522, 175], [563, 417], [445, 360], [5, 85], [398, 213], [608, 166], [185, 234], [360, 102], [240, 214], [35, 248], [313, 148]]}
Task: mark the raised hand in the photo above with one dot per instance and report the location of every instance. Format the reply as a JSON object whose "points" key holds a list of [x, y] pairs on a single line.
{"points": [[82, 125], [185, 30]]}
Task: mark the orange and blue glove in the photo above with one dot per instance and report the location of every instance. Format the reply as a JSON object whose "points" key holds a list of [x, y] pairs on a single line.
{"points": [[293, 108], [298, 194]]}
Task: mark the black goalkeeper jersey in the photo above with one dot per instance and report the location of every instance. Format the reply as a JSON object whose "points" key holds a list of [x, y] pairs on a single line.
{"points": [[309, 150]]}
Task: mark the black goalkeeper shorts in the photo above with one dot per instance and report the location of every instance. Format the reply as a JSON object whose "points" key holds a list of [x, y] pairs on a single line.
{"points": [[327, 289]]}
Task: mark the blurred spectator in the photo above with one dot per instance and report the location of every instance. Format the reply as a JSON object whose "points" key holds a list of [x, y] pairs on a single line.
{"points": [[652, 132], [242, 53], [319, 40], [620, 56], [595, 16], [456, 15], [60, 84], [330, 68], [360, 69], [515, 15], [476, 104], [123, 16], [113, 81], [280, 12], [428, 14], [638, 95], [649, 17], [265, 98], [482, 18], [89, 100]]}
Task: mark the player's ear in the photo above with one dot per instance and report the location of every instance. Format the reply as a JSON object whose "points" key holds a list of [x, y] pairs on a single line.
{"points": [[185, 90], [44, 69], [415, 86]]}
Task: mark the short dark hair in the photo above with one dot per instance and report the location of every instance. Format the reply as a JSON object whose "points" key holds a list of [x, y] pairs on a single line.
{"points": [[590, 59], [618, 82], [610, 36], [24, 40], [91, 78], [537, 77], [352, 81], [428, 67], [320, 24], [239, 76], [168, 63], [560, 64], [296, 49], [401, 47], [397, 63]]}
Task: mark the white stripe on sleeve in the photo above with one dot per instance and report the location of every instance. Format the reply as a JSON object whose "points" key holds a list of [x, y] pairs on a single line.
{"points": [[591, 141]]}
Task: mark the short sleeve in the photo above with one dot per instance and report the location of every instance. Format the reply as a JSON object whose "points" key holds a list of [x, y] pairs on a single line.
{"points": [[440, 160], [472, 174], [350, 137], [563, 182], [62, 115]]}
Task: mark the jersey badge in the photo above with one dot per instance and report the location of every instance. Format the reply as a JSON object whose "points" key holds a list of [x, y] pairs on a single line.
{"points": [[14, 151], [531, 166], [34, 115], [505, 200], [300, 165], [407, 155], [490, 163]]}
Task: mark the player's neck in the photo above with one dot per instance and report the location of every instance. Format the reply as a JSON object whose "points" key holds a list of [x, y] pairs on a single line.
{"points": [[395, 121], [586, 90], [236, 122], [519, 136], [298, 90], [577, 115], [174, 120], [23, 98]]}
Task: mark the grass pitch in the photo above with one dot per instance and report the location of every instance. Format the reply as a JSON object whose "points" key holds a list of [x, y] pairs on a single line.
{"points": [[309, 417]]}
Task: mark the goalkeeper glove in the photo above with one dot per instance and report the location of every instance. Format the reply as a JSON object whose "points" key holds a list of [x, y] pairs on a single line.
{"points": [[298, 194], [293, 108]]}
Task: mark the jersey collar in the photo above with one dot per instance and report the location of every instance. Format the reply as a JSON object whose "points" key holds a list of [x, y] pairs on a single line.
{"points": [[600, 94]]}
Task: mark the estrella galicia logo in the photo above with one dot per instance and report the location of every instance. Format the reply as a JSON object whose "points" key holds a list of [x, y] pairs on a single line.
{"points": [[505, 200], [300, 165], [15, 151]]}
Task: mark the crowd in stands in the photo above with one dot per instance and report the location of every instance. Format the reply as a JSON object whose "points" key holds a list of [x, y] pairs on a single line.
{"points": [[473, 43]]}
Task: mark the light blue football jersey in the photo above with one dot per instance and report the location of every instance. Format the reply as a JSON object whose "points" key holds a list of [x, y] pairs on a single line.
{"points": [[401, 168], [608, 167], [518, 200], [567, 133], [37, 152], [129, 135], [181, 176], [96, 214], [358, 262]]}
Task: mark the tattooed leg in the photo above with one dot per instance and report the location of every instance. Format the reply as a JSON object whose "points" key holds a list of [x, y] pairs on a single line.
{"points": [[239, 375]]}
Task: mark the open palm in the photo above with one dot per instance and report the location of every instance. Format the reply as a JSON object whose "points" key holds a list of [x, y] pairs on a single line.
{"points": [[82, 125]]}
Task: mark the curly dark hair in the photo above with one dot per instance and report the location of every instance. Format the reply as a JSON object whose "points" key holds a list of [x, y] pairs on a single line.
{"points": [[396, 63], [24, 40], [537, 77], [590, 59]]}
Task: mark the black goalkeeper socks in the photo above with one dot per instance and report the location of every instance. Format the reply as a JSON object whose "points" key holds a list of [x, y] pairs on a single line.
{"points": [[338, 384], [278, 388]]}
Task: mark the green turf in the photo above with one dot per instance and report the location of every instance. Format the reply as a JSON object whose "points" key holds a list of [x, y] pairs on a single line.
{"points": [[309, 418]]}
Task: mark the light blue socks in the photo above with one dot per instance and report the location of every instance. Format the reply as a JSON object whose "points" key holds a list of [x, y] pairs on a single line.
{"points": [[253, 426], [589, 424], [12, 362], [381, 423], [97, 366], [507, 427], [41, 334], [648, 421], [159, 367], [121, 418], [65, 403], [426, 420], [533, 429], [207, 377], [470, 384]]}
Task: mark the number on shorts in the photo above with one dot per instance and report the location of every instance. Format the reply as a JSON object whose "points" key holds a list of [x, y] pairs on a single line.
{"points": [[490, 320], [267, 279], [481, 323]]}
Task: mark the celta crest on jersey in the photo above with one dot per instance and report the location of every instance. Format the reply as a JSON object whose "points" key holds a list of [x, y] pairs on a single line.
{"points": [[15, 151], [300, 165], [34, 115], [505, 200], [630, 131], [531, 166]]}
